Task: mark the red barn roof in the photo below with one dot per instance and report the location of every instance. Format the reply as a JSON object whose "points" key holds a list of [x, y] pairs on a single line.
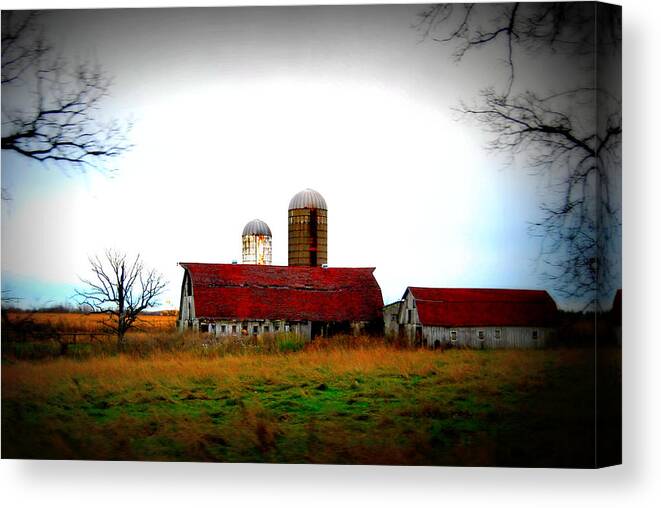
{"points": [[293, 293], [454, 307]]}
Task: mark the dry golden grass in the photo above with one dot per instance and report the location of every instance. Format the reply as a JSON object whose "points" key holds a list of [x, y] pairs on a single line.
{"points": [[116, 373], [88, 323], [331, 403]]}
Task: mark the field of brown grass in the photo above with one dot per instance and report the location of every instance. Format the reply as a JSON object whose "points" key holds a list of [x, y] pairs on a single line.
{"points": [[354, 401], [277, 398], [90, 323]]}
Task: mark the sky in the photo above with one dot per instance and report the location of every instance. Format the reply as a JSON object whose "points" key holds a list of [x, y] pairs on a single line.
{"points": [[235, 110]]}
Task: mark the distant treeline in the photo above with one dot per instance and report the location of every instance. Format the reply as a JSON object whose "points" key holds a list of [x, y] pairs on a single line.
{"points": [[71, 309], [583, 328]]}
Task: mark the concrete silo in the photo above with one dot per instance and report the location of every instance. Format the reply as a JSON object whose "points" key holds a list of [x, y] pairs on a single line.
{"points": [[257, 246], [308, 229]]}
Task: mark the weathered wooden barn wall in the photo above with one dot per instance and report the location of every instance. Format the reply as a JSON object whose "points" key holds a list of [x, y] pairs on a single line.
{"points": [[487, 337], [236, 328], [391, 319], [408, 319], [231, 327], [187, 304]]}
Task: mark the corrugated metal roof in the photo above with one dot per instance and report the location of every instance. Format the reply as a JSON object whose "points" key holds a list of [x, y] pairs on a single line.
{"points": [[256, 227], [308, 198], [293, 293], [456, 307]]}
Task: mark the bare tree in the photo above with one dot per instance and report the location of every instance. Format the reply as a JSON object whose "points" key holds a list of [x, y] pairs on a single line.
{"points": [[121, 289], [556, 132], [50, 108]]}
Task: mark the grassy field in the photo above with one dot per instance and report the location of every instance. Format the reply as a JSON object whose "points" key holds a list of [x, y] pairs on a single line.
{"points": [[366, 403], [77, 322]]}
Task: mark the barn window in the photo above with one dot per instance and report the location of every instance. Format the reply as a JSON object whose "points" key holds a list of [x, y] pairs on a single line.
{"points": [[410, 316], [223, 329], [234, 329], [480, 334], [535, 335], [255, 330], [204, 327], [276, 328], [496, 334], [287, 327], [266, 328], [453, 335]]}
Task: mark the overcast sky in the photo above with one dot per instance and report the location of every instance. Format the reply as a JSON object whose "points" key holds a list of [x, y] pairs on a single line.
{"points": [[237, 109]]}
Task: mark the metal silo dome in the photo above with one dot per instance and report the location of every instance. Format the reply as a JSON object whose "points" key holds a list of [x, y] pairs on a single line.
{"points": [[257, 227], [308, 198]]}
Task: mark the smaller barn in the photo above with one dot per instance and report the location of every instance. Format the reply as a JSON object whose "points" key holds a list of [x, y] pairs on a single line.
{"points": [[391, 319], [477, 318], [235, 300]]}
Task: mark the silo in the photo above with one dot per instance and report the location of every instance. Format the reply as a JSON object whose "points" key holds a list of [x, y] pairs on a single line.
{"points": [[257, 247], [308, 229]]}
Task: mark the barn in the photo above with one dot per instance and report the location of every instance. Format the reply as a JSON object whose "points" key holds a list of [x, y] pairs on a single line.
{"points": [[310, 301], [391, 319], [478, 318]]}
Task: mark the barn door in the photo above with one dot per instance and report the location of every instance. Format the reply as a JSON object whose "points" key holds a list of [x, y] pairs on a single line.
{"points": [[418, 335], [316, 329]]}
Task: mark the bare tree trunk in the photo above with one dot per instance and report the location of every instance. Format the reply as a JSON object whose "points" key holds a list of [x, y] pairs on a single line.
{"points": [[121, 341]]}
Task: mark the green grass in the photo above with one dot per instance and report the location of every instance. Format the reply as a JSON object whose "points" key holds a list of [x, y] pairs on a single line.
{"points": [[370, 405]]}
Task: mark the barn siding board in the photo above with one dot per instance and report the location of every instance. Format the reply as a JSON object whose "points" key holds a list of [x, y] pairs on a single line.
{"points": [[214, 327], [186, 305], [391, 319], [510, 337]]}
